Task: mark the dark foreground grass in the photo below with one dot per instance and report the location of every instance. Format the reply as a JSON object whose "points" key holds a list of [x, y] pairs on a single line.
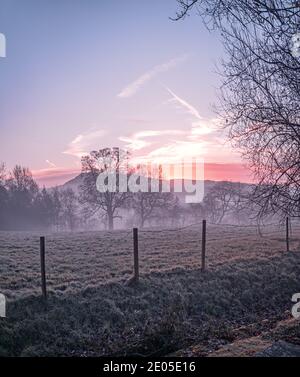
{"points": [[167, 311]]}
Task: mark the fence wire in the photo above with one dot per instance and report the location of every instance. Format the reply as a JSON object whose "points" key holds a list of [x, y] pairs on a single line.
{"points": [[88, 259]]}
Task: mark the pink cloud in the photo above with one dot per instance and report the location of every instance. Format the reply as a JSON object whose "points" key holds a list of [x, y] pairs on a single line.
{"points": [[54, 176]]}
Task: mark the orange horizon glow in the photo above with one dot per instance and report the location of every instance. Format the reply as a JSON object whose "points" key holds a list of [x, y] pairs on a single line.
{"points": [[234, 172]]}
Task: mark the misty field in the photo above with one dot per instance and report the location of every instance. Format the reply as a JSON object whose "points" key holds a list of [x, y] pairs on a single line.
{"points": [[91, 311]]}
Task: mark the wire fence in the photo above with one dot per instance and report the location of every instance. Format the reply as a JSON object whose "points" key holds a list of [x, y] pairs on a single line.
{"points": [[71, 259]]}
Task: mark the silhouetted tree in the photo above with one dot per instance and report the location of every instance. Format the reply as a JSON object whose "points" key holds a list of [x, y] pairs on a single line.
{"points": [[177, 212], [22, 191], [150, 205], [56, 207], [261, 91], [69, 208], [108, 160], [24, 206], [43, 209], [4, 198], [2, 173]]}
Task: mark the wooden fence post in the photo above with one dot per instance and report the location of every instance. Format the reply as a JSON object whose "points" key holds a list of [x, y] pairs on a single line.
{"points": [[136, 254], [43, 267], [203, 245], [287, 235]]}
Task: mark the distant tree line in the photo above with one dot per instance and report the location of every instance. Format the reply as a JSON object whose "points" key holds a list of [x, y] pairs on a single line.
{"points": [[25, 206]]}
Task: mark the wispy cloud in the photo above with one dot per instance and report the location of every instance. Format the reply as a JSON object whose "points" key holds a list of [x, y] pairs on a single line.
{"points": [[191, 109], [202, 139], [132, 88], [137, 141], [51, 164], [176, 150], [82, 144], [200, 126]]}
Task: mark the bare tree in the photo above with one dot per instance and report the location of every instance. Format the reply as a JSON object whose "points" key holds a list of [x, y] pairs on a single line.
{"points": [[69, 208], [261, 92], [22, 181], [220, 200], [147, 205], [2, 173], [3, 197], [110, 160], [177, 212], [197, 211], [22, 191], [56, 207]]}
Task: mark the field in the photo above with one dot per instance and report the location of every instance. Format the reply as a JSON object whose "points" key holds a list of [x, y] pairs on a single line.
{"points": [[91, 311]]}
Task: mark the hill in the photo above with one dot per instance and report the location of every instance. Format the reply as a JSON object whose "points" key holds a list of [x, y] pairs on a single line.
{"points": [[76, 182]]}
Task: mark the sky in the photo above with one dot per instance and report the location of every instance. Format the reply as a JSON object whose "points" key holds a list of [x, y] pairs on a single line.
{"points": [[81, 75]]}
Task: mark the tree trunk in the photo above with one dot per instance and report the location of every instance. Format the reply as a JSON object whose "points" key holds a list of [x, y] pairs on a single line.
{"points": [[110, 221]]}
